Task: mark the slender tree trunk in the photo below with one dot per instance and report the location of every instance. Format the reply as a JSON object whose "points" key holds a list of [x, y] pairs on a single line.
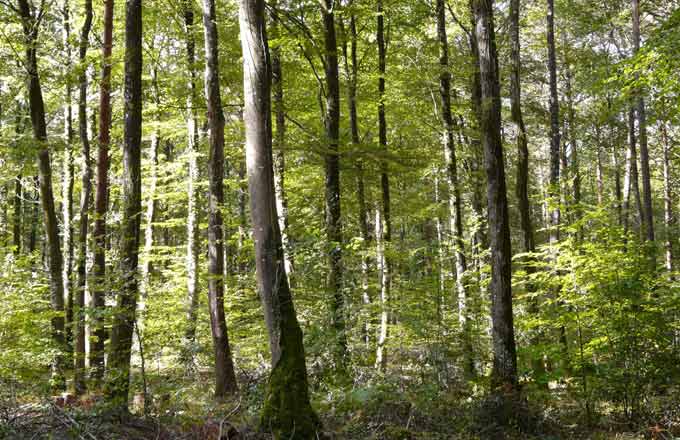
{"points": [[613, 137], [455, 209], [85, 202], [647, 211], [151, 202], [522, 185], [332, 162], [280, 144], [101, 201], [599, 173], [385, 228], [16, 226], [118, 373], [30, 28], [669, 218], [225, 378], [287, 412], [630, 180], [504, 372], [192, 189], [67, 188], [351, 70], [554, 189]]}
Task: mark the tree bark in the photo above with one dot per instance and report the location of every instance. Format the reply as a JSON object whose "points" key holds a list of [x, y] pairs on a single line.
{"points": [[287, 412], [384, 217], [85, 202], [351, 70], [225, 378], [554, 182], [669, 218], [192, 188], [280, 144], [101, 202], [118, 373], [630, 180], [332, 185], [504, 372], [67, 189], [647, 212], [30, 24], [16, 226], [455, 208]]}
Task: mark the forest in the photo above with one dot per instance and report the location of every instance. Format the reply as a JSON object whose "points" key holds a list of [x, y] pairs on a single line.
{"points": [[339, 219]]}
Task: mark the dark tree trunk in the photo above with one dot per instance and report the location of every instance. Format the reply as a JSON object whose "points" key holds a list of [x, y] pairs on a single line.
{"points": [[85, 202], [118, 373], [332, 161], [630, 180], [67, 189], [287, 412], [101, 201], [522, 185], [386, 228], [30, 26], [647, 211], [669, 218], [192, 189], [16, 226], [351, 70], [280, 145], [455, 208], [554, 182], [504, 372], [225, 378]]}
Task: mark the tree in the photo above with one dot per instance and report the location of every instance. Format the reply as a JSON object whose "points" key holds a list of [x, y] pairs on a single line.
{"points": [[332, 164], [287, 412], [85, 202], [455, 208], [280, 143], [225, 378], [30, 22], [554, 107], [351, 71], [504, 371], [640, 113], [124, 318], [101, 200], [383, 219], [192, 190]]}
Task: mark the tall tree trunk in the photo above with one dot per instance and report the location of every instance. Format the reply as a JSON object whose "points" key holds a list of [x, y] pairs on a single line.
{"points": [[287, 412], [85, 202], [599, 172], [332, 162], [384, 263], [351, 70], [280, 144], [16, 225], [151, 202], [455, 209], [67, 188], [504, 372], [522, 185], [669, 218], [554, 183], [101, 201], [118, 373], [30, 26], [630, 180], [647, 212], [225, 378], [192, 188]]}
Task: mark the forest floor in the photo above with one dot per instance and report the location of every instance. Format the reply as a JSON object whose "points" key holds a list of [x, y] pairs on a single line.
{"points": [[377, 412]]}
